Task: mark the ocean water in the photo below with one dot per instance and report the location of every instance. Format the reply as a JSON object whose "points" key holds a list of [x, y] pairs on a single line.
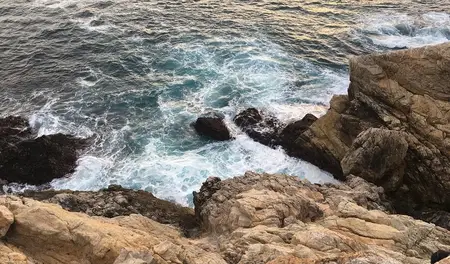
{"points": [[136, 74]]}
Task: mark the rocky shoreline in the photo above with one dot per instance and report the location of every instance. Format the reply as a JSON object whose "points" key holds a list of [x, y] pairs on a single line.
{"points": [[387, 141]]}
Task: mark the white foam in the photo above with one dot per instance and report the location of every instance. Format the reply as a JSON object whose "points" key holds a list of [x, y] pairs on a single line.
{"points": [[394, 30]]}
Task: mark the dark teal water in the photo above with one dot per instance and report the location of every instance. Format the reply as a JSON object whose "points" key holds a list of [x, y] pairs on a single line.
{"points": [[137, 73]]}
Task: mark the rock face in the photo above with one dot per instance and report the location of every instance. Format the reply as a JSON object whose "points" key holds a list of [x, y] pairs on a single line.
{"points": [[6, 219], [48, 234], [256, 218], [260, 218], [405, 94], [261, 127], [117, 201], [213, 126], [25, 159]]}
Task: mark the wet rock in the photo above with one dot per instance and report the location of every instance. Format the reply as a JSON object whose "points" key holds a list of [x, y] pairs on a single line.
{"points": [[259, 126], [118, 201], [12, 130], [38, 161], [212, 125], [293, 130]]}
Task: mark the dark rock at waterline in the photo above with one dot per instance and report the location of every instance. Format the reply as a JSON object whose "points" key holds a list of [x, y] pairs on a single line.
{"points": [[29, 160], [213, 126], [38, 161], [12, 130], [209, 187], [118, 201], [294, 129], [261, 127]]}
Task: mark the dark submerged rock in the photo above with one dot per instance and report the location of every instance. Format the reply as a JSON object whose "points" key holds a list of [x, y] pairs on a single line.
{"points": [[213, 126], [262, 128]]}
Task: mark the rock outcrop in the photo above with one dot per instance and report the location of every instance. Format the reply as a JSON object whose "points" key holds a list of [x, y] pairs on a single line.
{"points": [[252, 219], [261, 127], [212, 125], [30, 160], [118, 201], [261, 218], [406, 95]]}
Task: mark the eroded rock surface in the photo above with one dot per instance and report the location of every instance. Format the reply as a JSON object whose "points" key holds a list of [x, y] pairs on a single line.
{"points": [[252, 219], [117, 201], [260, 218], [405, 94]]}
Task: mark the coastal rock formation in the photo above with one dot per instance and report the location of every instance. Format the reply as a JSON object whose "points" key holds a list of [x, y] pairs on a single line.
{"points": [[252, 219], [260, 218], [25, 159], [261, 127], [213, 126], [117, 201], [49, 234], [406, 94]]}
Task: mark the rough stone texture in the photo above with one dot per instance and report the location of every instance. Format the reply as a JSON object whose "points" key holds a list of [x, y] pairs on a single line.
{"points": [[6, 219], [52, 235], [10, 254], [213, 126], [261, 127], [444, 261], [256, 218], [406, 92], [295, 129], [260, 218], [377, 155], [117, 201]]}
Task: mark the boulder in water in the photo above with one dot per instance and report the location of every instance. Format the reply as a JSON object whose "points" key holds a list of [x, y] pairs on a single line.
{"points": [[29, 160], [261, 127], [38, 161], [213, 126]]}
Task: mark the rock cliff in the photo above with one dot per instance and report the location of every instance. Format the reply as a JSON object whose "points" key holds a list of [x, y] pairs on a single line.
{"points": [[392, 129], [252, 219]]}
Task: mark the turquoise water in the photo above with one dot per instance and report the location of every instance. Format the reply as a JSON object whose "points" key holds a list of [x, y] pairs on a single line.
{"points": [[136, 74]]}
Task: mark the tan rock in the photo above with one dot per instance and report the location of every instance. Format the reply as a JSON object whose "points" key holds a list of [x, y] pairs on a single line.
{"points": [[6, 219]]}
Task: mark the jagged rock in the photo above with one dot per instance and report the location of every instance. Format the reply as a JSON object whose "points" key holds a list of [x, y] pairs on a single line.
{"points": [[117, 201], [406, 92], [49, 234], [30, 160], [261, 127], [38, 161], [378, 156], [293, 130], [213, 126], [6, 220], [256, 218], [259, 218], [209, 187]]}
